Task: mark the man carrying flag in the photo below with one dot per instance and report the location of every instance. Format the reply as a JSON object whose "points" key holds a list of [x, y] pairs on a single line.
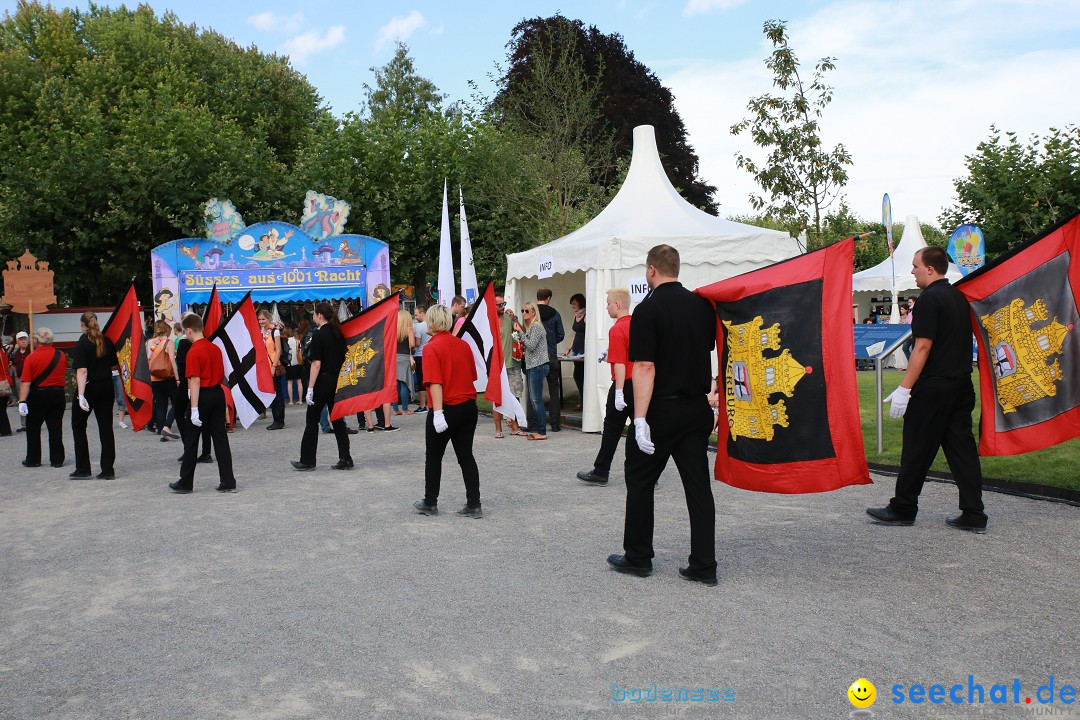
{"points": [[481, 332], [326, 355], [205, 371], [936, 398]]}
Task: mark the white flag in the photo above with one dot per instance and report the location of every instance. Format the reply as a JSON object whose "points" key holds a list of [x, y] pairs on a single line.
{"points": [[480, 331], [469, 287], [247, 366], [446, 257]]}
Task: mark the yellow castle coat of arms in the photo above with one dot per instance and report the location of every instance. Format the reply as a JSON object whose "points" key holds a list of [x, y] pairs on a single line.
{"points": [[752, 378], [1019, 353], [357, 357]]}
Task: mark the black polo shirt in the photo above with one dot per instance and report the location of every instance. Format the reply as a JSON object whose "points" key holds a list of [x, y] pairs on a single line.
{"points": [[328, 348], [676, 330], [85, 356], [943, 316]]}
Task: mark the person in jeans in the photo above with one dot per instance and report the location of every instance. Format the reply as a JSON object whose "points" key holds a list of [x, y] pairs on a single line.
{"points": [[553, 327], [536, 367], [420, 333], [405, 346], [93, 359], [164, 389], [41, 399], [449, 372], [272, 341], [620, 401]]}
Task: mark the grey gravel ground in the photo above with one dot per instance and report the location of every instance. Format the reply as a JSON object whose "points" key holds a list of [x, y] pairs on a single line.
{"points": [[321, 595]]}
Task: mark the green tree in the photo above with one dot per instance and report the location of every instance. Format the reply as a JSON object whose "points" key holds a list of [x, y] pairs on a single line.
{"points": [[621, 91], [798, 175], [1012, 190], [115, 127]]}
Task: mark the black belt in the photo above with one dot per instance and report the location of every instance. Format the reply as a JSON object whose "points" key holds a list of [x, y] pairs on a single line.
{"points": [[680, 397]]}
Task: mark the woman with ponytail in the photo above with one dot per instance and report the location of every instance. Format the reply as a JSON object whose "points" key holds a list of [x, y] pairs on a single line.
{"points": [[326, 354], [93, 359]]}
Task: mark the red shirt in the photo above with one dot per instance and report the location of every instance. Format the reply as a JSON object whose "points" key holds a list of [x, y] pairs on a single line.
{"points": [[204, 362], [619, 346], [39, 360], [448, 361], [4, 370]]}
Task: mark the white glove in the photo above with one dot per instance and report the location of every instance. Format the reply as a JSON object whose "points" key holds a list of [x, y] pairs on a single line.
{"points": [[643, 436], [83, 404], [620, 401], [195, 419], [602, 356], [310, 397], [24, 410], [439, 419], [899, 399]]}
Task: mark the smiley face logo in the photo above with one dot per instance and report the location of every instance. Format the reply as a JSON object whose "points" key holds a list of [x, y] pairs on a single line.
{"points": [[862, 693]]}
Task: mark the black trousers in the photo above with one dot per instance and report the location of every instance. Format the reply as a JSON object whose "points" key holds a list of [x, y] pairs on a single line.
{"points": [[5, 423], [461, 419], [939, 415], [183, 421], [100, 396], [164, 392], [614, 424], [680, 430], [212, 414], [277, 407], [579, 380], [325, 386], [46, 405]]}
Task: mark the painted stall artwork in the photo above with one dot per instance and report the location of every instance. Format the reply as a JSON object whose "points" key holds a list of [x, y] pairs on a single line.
{"points": [[223, 222], [276, 261], [323, 216]]}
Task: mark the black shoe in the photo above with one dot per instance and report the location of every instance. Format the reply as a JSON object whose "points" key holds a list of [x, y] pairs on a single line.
{"points": [[207, 458], [22, 429], [619, 563], [105, 475], [176, 487], [967, 522], [390, 428], [226, 488], [421, 410], [327, 431], [80, 474], [276, 426], [56, 465], [555, 428], [351, 431], [887, 516], [170, 435], [30, 464], [302, 466], [475, 513], [371, 429], [709, 580], [424, 509], [180, 459], [343, 465], [592, 477]]}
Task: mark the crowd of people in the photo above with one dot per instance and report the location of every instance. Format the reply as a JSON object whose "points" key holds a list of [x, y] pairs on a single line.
{"points": [[663, 382]]}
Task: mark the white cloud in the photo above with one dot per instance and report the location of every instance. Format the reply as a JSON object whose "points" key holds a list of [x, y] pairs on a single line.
{"points": [[909, 104], [399, 29], [270, 21], [300, 47], [698, 7]]}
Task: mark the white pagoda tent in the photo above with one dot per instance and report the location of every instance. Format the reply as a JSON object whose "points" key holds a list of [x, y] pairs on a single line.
{"points": [[609, 251]]}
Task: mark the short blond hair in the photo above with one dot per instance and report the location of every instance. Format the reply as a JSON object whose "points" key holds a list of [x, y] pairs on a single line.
{"points": [[620, 295], [439, 318], [44, 335]]}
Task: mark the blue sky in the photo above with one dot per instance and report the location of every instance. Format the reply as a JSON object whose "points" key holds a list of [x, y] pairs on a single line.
{"points": [[917, 86]]}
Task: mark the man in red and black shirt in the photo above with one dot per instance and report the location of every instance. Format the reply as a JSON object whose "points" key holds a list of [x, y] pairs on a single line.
{"points": [[18, 356], [449, 374], [620, 402], [205, 372], [41, 399]]}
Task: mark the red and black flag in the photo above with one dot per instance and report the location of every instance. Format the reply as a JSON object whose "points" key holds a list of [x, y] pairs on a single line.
{"points": [[213, 313], [368, 377], [789, 403], [247, 366], [125, 329], [1024, 313], [480, 331]]}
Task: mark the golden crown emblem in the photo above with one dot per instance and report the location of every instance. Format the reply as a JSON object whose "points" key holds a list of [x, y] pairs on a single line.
{"points": [[124, 356], [357, 357], [752, 378], [1020, 354]]}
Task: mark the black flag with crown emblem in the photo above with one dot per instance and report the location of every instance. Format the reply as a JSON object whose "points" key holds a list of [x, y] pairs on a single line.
{"points": [[368, 377]]}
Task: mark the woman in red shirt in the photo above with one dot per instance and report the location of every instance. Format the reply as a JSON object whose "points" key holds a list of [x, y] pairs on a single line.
{"points": [[5, 376], [449, 375], [41, 399]]}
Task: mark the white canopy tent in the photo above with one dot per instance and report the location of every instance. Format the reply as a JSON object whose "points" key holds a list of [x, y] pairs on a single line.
{"points": [[873, 286], [609, 251]]}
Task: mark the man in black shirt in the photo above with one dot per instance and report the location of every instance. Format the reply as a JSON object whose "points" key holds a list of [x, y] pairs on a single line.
{"points": [[672, 335], [327, 354], [93, 359], [938, 385]]}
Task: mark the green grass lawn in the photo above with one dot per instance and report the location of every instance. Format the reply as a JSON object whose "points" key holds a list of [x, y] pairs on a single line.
{"points": [[1058, 465]]}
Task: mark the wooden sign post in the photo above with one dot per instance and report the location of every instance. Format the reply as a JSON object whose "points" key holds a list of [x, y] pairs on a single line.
{"points": [[28, 282]]}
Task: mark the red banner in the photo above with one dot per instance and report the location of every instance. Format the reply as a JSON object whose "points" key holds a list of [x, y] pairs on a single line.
{"points": [[368, 377], [125, 329]]}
